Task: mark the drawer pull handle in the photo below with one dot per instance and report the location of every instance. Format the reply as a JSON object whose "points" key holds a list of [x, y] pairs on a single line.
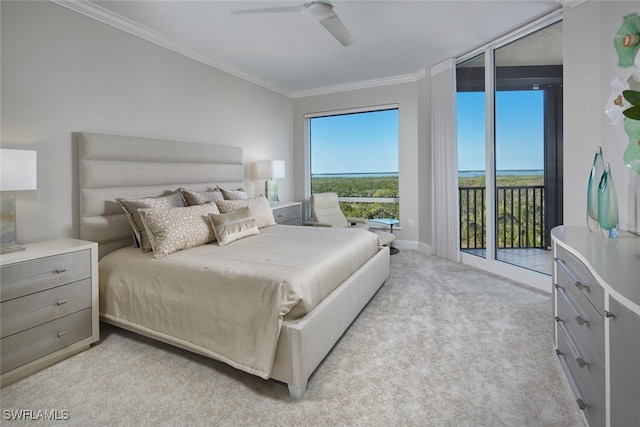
{"points": [[572, 384], [61, 334], [62, 302], [61, 270], [574, 351], [572, 276], [579, 319], [608, 314]]}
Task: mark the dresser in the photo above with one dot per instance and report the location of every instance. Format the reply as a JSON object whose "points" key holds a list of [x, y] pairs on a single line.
{"points": [[287, 213], [48, 305], [596, 306]]}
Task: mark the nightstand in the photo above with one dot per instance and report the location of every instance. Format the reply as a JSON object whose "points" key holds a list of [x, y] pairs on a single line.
{"points": [[48, 305], [287, 213]]}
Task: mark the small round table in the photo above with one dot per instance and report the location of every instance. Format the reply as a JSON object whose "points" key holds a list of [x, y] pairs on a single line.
{"points": [[390, 222]]}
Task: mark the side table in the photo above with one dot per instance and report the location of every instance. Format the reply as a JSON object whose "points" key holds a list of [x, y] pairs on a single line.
{"points": [[390, 222]]}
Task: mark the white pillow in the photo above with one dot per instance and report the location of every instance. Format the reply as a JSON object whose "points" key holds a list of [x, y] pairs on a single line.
{"points": [[232, 226], [236, 194], [259, 207], [131, 206], [200, 197], [174, 229]]}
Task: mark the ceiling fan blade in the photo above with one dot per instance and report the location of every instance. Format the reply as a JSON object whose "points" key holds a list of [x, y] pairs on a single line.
{"points": [[283, 9], [334, 25]]}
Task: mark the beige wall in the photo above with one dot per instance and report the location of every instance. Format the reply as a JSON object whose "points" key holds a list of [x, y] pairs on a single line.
{"points": [[411, 158], [63, 72], [590, 64]]}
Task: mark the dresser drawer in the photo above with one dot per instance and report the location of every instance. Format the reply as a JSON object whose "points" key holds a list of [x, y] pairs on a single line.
{"points": [[576, 278], [589, 380], [584, 324], [27, 346], [28, 277], [35, 309], [288, 214]]}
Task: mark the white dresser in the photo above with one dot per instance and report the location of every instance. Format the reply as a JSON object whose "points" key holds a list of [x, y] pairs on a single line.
{"points": [[597, 322], [48, 305]]}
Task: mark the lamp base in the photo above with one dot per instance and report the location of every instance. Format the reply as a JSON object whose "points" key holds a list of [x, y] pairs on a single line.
{"points": [[10, 249], [8, 241], [271, 190]]}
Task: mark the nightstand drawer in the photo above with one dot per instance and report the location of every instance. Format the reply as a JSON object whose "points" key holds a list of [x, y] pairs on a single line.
{"points": [[288, 214], [27, 346], [28, 277], [576, 278], [35, 309]]}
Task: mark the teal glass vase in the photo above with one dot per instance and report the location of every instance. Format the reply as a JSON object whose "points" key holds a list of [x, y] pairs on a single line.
{"points": [[592, 190], [632, 153], [607, 205]]}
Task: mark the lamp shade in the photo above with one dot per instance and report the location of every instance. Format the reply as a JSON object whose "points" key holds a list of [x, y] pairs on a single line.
{"points": [[18, 170], [269, 169]]}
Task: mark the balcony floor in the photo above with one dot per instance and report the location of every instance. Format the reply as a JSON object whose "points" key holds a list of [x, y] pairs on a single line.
{"points": [[539, 260]]}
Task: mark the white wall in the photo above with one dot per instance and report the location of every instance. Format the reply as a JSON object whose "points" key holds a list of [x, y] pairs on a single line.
{"points": [[590, 64], [410, 158], [63, 72]]}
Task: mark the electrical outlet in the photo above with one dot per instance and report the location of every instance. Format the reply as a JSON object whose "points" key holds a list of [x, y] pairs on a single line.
{"points": [[410, 222]]}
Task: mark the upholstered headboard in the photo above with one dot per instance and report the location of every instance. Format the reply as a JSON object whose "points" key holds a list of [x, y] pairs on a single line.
{"points": [[113, 166]]}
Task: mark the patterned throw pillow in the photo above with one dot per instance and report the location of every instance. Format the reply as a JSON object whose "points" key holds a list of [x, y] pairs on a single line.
{"points": [[259, 207], [174, 229], [232, 226], [200, 197], [238, 194], [131, 206]]}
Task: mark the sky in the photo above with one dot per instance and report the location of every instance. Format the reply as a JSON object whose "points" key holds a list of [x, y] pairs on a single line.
{"points": [[368, 142], [355, 143], [519, 130]]}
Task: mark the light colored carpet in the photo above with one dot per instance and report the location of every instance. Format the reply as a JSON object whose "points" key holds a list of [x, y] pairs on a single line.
{"points": [[441, 344]]}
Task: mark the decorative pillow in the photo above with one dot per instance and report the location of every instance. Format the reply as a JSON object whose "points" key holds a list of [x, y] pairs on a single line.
{"points": [[131, 206], [200, 197], [174, 229], [232, 226], [238, 194], [259, 207]]}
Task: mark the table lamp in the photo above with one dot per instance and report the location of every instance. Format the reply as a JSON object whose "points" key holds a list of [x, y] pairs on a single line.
{"points": [[18, 172], [270, 170]]}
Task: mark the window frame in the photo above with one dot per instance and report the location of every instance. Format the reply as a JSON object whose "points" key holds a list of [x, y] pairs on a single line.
{"points": [[307, 137]]}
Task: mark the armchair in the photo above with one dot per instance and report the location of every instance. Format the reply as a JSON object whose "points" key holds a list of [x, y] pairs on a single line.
{"points": [[326, 212]]}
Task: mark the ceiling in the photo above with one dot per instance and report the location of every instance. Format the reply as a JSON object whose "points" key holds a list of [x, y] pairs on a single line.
{"points": [[293, 54]]}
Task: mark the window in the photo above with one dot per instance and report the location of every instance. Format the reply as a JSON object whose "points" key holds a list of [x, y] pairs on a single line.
{"points": [[510, 154], [355, 154]]}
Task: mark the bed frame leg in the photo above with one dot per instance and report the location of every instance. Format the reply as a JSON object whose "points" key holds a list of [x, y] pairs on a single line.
{"points": [[296, 391]]}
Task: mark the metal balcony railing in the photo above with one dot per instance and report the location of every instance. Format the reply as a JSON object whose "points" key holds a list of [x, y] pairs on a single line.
{"points": [[519, 219]]}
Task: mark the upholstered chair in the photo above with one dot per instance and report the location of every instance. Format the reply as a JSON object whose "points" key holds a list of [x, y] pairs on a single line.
{"points": [[326, 212]]}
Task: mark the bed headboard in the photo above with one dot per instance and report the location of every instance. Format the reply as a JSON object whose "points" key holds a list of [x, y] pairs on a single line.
{"points": [[113, 166]]}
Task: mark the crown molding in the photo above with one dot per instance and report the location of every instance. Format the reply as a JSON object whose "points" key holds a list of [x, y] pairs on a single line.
{"points": [[366, 84], [105, 16]]}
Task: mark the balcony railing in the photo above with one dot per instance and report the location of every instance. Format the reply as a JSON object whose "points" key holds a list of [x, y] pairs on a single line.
{"points": [[519, 219]]}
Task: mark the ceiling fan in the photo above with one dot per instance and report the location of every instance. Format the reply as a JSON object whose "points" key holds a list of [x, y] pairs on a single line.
{"points": [[319, 10]]}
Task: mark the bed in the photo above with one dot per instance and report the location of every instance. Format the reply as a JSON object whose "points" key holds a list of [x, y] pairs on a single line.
{"points": [[309, 283]]}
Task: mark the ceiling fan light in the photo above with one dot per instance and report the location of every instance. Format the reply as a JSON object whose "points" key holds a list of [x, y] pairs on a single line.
{"points": [[319, 10]]}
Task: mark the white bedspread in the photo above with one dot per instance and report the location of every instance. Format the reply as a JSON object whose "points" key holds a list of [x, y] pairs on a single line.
{"points": [[229, 302]]}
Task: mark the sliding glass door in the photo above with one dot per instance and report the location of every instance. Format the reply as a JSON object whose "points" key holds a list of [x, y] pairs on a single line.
{"points": [[509, 205], [471, 114]]}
